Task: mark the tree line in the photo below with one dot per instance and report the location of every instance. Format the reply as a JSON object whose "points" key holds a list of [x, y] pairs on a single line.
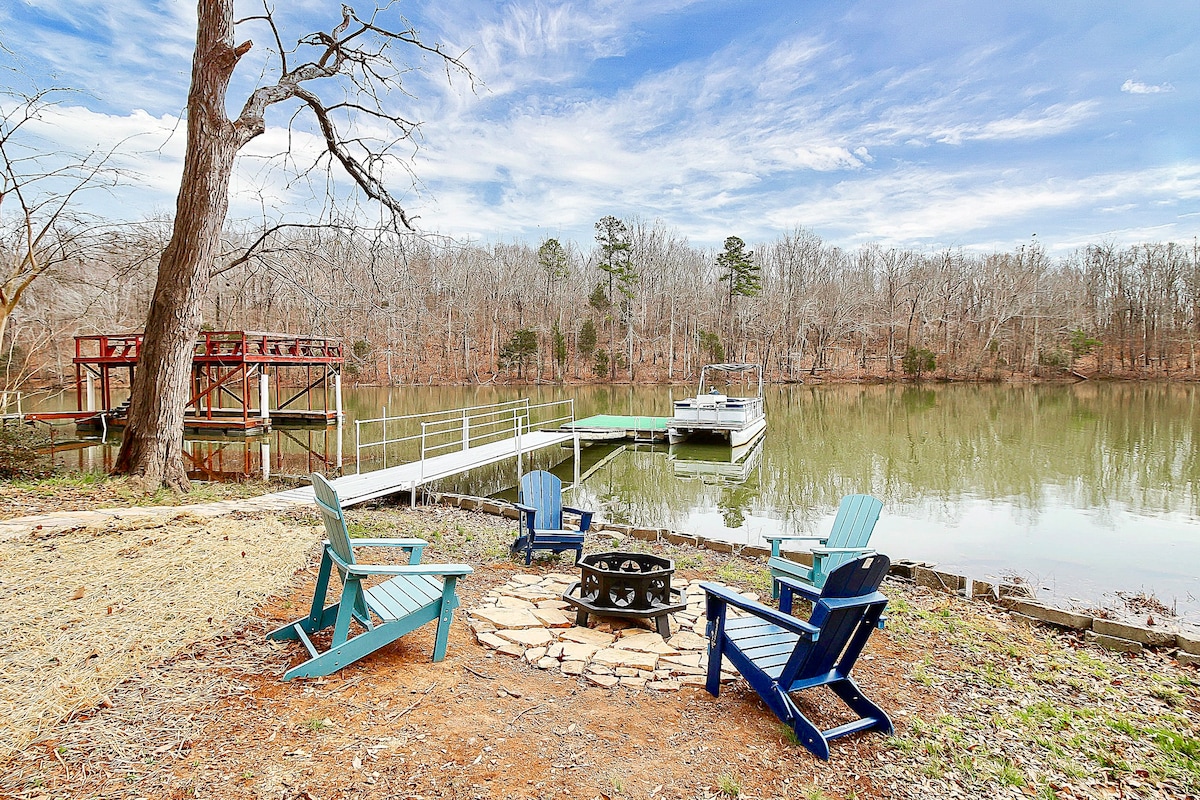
{"points": [[642, 304]]}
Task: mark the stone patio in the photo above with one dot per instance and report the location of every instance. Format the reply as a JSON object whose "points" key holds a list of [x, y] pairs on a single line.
{"points": [[527, 618]]}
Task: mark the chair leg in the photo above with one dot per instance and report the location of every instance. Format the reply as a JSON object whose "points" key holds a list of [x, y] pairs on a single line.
{"points": [[852, 696], [811, 737], [445, 617]]}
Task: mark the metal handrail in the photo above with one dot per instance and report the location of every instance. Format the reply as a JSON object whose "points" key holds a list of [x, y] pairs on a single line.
{"points": [[463, 428]]}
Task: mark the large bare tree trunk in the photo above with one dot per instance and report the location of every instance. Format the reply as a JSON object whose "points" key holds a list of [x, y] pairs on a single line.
{"points": [[152, 448]]}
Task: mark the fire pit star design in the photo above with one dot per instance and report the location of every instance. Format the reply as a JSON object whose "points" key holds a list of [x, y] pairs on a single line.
{"points": [[626, 585]]}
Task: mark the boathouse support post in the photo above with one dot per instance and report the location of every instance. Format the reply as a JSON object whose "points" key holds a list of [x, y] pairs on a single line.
{"points": [[264, 393], [91, 392], [337, 396]]}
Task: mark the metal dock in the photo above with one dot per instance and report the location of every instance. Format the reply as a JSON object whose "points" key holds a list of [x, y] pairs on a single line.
{"points": [[447, 443]]}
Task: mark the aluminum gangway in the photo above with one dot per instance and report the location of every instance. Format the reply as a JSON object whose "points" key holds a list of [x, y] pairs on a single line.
{"points": [[449, 443]]}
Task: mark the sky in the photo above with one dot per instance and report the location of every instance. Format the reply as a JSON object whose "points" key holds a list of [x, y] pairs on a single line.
{"points": [[918, 125]]}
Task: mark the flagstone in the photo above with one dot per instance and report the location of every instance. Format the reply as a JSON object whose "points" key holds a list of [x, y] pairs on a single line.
{"points": [[625, 658], [530, 637], [552, 618], [587, 636], [508, 618]]}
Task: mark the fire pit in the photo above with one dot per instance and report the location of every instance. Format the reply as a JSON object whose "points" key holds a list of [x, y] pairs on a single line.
{"points": [[626, 585]]}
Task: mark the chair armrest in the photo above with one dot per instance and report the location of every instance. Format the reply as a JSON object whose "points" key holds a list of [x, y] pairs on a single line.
{"points": [[828, 550], [388, 543], [784, 621], [788, 589], [524, 508], [363, 570], [781, 538], [415, 569], [809, 593], [585, 517]]}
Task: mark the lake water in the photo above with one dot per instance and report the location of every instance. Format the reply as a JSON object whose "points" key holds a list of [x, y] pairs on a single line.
{"points": [[1082, 489]]}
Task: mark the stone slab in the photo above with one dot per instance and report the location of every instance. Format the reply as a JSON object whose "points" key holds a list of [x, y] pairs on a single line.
{"points": [[528, 637], [587, 636], [552, 618], [577, 651], [1114, 643], [508, 618], [1188, 644], [614, 657], [1187, 659], [1053, 616], [646, 643], [607, 681], [572, 667], [1137, 633], [686, 640], [490, 640]]}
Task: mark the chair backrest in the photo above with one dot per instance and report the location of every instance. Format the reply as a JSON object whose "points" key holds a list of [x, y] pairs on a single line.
{"points": [[856, 518], [542, 491], [847, 611], [335, 521]]}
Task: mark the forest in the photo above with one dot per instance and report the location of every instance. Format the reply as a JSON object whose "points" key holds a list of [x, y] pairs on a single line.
{"points": [[641, 304]]}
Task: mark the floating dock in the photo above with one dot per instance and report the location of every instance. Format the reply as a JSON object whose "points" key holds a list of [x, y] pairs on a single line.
{"points": [[607, 427]]}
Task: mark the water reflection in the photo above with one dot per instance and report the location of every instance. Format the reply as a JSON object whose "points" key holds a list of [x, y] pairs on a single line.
{"points": [[1082, 488]]}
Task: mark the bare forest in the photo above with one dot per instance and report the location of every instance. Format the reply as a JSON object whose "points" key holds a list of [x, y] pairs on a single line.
{"points": [[644, 305]]}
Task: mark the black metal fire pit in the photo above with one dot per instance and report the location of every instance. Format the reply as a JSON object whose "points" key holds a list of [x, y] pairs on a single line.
{"points": [[626, 585]]}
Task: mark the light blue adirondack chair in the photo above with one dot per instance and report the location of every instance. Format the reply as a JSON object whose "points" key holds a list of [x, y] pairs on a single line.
{"points": [[779, 654], [413, 595], [847, 539], [539, 499]]}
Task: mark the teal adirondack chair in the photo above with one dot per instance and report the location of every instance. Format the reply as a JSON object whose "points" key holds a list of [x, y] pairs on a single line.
{"points": [[412, 596], [539, 499], [847, 540]]}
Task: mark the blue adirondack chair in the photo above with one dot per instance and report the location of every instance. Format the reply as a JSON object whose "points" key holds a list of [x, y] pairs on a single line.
{"points": [[412, 596], [778, 654], [847, 539], [539, 499]]}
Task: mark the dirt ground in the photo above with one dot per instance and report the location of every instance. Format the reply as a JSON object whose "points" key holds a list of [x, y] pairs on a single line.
{"points": [[960, 680]]}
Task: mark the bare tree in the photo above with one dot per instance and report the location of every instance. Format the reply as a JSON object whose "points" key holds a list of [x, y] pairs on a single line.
{"points": [[41, 226], [354, 56]]}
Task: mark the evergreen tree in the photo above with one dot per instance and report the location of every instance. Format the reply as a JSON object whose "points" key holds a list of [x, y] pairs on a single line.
{"points": [[615, 250], [741, 272]]}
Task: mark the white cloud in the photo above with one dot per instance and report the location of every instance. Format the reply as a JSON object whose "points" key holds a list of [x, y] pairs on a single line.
{"points": [[1137, 87]]}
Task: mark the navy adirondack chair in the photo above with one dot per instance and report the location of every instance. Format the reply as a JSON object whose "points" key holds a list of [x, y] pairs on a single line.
{"points": [[847, 539], [779, 654], [539, 499], [412, 596]]}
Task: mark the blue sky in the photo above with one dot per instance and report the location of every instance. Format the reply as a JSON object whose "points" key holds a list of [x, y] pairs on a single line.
{"points": [[920, 125]]}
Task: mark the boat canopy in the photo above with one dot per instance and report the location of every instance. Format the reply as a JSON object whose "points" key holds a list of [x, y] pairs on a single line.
{"points": [[731, 368]]}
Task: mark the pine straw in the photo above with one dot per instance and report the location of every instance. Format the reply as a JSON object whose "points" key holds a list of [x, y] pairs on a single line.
{"points": [[85, 609]]}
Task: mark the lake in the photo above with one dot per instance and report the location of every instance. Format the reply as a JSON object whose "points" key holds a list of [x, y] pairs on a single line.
{"points": [[1083, 490]]}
